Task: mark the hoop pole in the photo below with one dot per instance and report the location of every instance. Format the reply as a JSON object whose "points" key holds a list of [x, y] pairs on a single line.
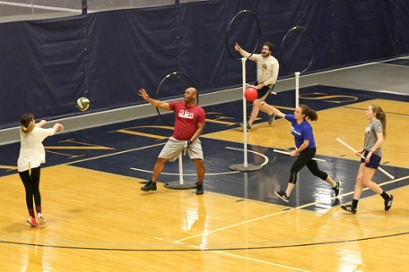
{"points": [[180, 169], [362, 156], [245, 167], [243, 67], [297, 88]]}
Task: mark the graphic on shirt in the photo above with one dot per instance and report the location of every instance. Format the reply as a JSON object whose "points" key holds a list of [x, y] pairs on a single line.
{"points": [[294, 132], [186, 114], [368, 131]]}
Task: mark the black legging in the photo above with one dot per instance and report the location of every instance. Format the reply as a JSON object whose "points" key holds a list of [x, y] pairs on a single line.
{"points": [[32, 187], [304, 158]]}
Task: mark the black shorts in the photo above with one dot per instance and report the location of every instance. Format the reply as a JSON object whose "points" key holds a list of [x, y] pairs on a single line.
{"points": [[264, 92]]}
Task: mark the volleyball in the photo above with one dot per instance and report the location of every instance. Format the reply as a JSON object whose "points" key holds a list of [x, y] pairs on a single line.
{"points": [[83, 103], [251, 94]]}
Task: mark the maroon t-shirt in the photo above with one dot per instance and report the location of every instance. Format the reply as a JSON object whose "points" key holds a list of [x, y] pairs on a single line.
{"points": [[186, 119]]}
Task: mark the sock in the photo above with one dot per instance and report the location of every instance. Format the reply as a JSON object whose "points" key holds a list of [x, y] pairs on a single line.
{"points": [[385, 196], [335, 185], [31, 212], [354, 203]]}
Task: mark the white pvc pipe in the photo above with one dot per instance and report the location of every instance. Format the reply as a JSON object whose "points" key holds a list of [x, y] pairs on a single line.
{"points": [[180, 168], [297, 89], [243, 66], [362, 156], [288, 153]]}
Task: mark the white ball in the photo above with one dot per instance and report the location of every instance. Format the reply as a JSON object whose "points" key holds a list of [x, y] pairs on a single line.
{"points": [[83, 103]]}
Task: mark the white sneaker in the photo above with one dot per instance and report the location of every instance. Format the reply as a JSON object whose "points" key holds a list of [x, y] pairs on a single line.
{"points": [[41, 218]]}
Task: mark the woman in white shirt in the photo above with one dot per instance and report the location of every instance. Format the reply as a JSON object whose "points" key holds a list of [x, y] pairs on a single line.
{"points": [[32, 155]]}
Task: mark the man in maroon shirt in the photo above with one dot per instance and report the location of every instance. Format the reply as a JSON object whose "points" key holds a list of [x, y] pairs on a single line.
{"points": [[189, 124]]}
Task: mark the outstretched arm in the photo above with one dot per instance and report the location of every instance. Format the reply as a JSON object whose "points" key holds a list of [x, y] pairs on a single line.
{"points": [[41, 123], [58, 126], [154, 102], [242, 52], [273, 109]]}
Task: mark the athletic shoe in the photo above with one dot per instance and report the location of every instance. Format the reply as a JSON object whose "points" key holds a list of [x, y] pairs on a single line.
{"points": [[150, 186], [32, 221], [199, 188], [41, 218], [282, 195], [271, 118], [348, 208], [388, 203], [337, 188], [248, 126]]}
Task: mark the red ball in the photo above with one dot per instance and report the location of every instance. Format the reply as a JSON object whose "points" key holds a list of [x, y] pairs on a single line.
{"points": [[251, 94]]}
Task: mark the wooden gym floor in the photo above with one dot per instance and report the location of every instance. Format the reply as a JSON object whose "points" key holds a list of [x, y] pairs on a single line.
{"points": [[98, 219]]}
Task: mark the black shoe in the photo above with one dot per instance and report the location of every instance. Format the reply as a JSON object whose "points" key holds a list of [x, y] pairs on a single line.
{"points": [[282, 195], [388, 203], [348, 208], [336, 202], [337, 188], [150, 186], [247, 126], [271, 118], [199, 188]]}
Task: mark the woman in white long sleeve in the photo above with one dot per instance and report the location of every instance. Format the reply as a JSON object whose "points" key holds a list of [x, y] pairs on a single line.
{"points": [[32, 155]]}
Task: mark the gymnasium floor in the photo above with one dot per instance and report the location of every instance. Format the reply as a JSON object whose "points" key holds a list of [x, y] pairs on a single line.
{"points": [[131, 149], [121, 156]]}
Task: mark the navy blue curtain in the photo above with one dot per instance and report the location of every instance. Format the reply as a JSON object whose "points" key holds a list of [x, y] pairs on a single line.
{"points": [[47, 64]]}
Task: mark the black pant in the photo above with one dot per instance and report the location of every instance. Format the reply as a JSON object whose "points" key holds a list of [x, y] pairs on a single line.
{"points": [[32, 187], [304, 158]]}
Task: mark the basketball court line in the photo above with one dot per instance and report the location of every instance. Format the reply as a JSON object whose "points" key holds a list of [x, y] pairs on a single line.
{"points": [[266, 160], [253, 259], [177, 174], [114, 154], [278, 213]]}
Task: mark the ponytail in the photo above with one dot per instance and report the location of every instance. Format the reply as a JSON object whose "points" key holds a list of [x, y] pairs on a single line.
{"points": [[309, 113]]}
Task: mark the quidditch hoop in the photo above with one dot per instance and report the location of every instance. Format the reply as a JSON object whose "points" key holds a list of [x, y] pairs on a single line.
{"points": [[174, 74], [258, 31], [304, 30]]}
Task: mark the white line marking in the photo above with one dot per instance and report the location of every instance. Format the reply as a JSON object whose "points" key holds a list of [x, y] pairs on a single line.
{"points": [[177, 174], [274, 214], [262, 155]]}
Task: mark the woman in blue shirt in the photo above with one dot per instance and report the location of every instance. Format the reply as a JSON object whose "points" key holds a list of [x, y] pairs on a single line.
{"points": [[305, 148]]}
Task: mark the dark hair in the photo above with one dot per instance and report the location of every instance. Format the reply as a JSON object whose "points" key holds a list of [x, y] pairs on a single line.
{"points": [[380, 115], [26, 122], [270, 46], [308, 112]]}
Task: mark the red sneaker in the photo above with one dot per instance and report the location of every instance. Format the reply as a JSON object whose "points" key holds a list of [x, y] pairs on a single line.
{"points": [[32, 221]]}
